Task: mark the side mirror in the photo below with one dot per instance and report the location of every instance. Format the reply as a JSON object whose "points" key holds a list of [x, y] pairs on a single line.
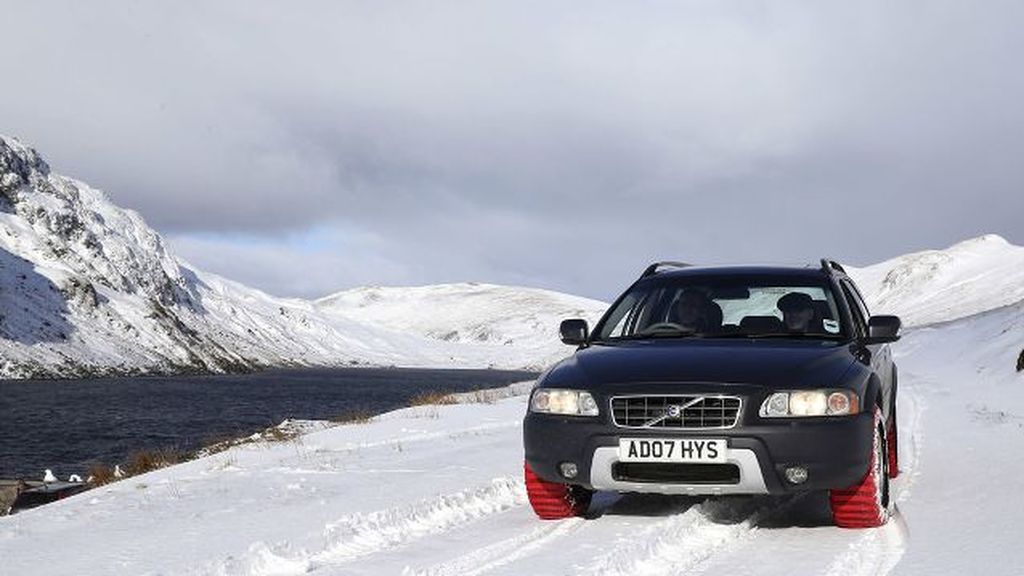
{"points": [[574, 331], [883, 329]]}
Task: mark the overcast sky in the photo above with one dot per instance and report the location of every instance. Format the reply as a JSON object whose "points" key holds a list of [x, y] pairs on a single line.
{"points": [[308, 147]]}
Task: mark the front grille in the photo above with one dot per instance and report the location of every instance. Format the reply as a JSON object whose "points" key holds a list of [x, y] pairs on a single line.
{"points": [[679, 412], [673, 473]]}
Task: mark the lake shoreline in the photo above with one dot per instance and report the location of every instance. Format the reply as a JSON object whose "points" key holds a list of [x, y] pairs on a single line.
{"points": [[70, 428]]}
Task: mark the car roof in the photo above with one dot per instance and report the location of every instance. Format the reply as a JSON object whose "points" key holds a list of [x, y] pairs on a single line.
{"points": [[805, 271]]}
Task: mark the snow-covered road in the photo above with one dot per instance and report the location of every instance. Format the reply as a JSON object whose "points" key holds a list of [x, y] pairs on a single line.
{"points": [[437, 490]]}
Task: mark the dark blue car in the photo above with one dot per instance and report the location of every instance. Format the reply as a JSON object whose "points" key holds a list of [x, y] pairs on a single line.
{"points": [[721, 380]]}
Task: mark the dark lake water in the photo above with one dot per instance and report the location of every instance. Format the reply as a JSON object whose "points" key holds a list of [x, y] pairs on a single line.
{"points": [[68, 425]]}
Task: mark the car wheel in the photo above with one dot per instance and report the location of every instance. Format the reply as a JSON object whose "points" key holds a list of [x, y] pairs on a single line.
{"points": [[893, 446], [553, 500], [866, 504]]}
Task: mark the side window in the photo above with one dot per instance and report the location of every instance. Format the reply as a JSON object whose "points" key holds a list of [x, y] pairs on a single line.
{"points": [[856, 309], [860, 301], [639, 313], [618, 322]]}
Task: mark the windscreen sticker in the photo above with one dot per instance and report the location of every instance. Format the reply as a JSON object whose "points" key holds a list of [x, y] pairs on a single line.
{"points": [[831, 326]]}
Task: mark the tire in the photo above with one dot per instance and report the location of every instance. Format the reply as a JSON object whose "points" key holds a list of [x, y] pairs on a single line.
{"points": [[893, 446], [892, 433], [555, 501], [866, 504]]}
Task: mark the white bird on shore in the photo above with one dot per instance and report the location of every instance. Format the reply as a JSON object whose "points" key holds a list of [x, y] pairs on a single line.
{"points": [[118, 473], [49, 477]]}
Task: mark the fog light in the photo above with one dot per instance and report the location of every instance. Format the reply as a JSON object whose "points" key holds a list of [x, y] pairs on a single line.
{"points": [[568, 469], [796, 474]]}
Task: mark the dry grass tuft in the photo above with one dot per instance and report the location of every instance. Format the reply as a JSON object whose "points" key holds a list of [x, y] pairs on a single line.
{"points": [[279, 434], [144, 461], [100, 474], [353, 417], [217, 444], [272, 434], [432, 398]]}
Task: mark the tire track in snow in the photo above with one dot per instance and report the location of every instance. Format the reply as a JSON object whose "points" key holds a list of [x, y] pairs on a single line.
{"points": [[503, 552], [879, 550], [917, 407], [875, 553], [363, 534], [685, 540]]}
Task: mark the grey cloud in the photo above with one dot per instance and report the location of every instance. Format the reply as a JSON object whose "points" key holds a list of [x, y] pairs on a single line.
{"points": [[557, 145]]}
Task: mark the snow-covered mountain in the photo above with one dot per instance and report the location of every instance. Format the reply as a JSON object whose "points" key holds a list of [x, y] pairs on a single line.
{"points": [[941, 285], [87, 287], [467, 314]]}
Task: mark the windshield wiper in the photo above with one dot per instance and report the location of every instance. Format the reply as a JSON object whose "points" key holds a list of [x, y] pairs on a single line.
{"points": [[672, 335], [655, 335], [793, 335]]}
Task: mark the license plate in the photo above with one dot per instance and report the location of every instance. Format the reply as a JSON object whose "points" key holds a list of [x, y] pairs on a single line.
{"points": [[672, 450]]}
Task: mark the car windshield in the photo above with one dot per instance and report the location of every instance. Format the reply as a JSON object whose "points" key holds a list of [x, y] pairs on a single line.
{"points": [[680, 307]]}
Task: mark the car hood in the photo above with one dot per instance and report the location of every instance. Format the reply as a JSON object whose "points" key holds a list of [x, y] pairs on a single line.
{"points": [[773, 364]]}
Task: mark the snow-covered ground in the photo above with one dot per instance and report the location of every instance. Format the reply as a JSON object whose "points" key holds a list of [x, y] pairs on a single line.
{"points": [[438, 490]]}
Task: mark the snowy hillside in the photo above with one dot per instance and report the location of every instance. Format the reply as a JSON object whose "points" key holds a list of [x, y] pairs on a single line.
{"points": [[88, 288], [467, 314], [455, 501], [939, 285]]}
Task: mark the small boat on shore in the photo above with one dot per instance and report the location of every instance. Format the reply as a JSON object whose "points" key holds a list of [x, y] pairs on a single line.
{"points": [[17, 495]]}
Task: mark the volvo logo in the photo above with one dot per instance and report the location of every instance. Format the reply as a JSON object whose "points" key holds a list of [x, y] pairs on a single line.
{"points": [[673, 411]]}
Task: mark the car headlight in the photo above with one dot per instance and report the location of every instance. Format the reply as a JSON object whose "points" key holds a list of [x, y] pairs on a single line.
{"points": [[798, 403], [566, 402]]}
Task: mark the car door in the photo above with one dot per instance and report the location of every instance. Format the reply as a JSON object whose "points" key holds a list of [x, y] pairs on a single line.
{"points": [[878, 356]]}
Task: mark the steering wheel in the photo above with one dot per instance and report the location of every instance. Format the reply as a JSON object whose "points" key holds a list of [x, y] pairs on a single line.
{"points": [[664, 327]]}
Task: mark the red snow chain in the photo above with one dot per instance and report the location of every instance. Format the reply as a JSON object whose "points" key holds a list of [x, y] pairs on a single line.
{"points": [[893, 449], [858, 506], [552, 500]]}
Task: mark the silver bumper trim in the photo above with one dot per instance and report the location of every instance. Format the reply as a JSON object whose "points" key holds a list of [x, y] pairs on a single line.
{"points": [[751, 480]]}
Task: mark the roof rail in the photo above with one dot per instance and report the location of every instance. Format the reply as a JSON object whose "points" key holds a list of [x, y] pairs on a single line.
{"points": [[653, 268], [830, 265]]}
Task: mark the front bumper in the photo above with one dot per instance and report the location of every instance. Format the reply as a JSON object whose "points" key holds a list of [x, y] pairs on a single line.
{"points": [[835, 451]]}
